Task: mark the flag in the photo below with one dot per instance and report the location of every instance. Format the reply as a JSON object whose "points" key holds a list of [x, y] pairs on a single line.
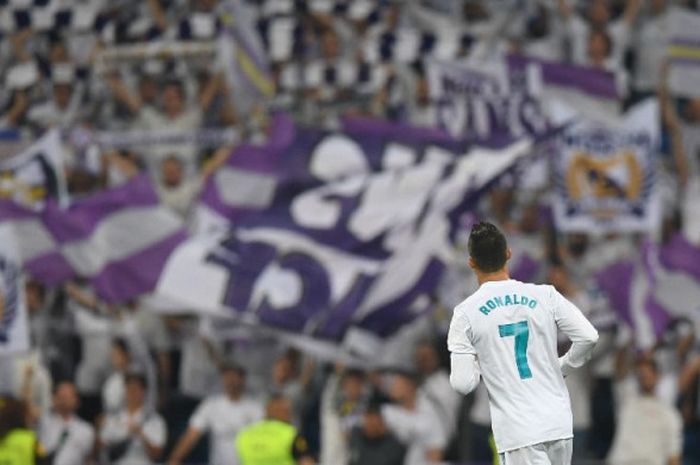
{"points": [[604, 176], [35, 174], [511, 97], [118, 239], [243, 57], [14, 330], [684, 53], [331, 233]]}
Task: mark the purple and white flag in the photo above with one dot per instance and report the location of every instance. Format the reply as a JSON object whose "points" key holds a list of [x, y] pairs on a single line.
{"points": [[604, 175], [512, 97], [118, 239], [684, 52], [331, 233], [662, 285]]}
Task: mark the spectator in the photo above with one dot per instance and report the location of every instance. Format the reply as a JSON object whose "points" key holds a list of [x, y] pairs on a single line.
{"points": [[343, 399], [599, 18], [224, 416], [412, 420], [651, 45], [175, 189], [67, 439], [435, 387], [135, 435], [173, 115], [114, 386], [63, 110], [18, 443], [274, 439], [371, 443], [648, 431]]}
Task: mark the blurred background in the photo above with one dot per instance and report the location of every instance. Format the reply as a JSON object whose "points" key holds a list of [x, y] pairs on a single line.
{"points": [[235, 229]]}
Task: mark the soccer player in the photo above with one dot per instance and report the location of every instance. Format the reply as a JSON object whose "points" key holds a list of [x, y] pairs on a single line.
{"points": [[507, 332]]}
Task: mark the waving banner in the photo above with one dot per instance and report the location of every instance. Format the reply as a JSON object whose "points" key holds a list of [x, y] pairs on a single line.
{"points": [[604, 176], [660, 287], [332, 231], [509, 98], [118, 239], [35, 174], [684, 52]]}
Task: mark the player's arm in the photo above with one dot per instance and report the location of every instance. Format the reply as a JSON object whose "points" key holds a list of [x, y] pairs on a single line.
{"points": [[578, 329], [464, 372]]}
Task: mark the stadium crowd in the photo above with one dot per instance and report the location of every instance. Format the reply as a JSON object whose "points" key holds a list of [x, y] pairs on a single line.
{"points": [[127, 385]]}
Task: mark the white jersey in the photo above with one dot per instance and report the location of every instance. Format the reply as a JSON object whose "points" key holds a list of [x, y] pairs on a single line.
{"points": [[511, 328]]}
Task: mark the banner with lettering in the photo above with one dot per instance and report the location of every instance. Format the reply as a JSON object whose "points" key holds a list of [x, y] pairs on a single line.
{"points": [[329, 232], [510, 97], [604, 175]]}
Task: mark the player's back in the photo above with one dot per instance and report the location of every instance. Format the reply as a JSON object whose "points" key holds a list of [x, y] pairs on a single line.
{"points": [[512, 327]]}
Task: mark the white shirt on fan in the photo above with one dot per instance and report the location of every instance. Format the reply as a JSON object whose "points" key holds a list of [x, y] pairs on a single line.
{"points": [[507, 332], [224, 419]]}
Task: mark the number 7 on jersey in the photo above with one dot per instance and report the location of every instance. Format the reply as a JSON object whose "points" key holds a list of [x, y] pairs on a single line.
{"points": [[522, 333]]}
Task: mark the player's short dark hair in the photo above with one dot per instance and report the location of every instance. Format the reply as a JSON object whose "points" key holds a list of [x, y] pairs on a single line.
{"points": [[488, 247]]}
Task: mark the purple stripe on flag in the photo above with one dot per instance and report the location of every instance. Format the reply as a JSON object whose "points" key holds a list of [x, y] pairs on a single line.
{"points": [[616, 282], [657, 314], [680, 255], [685, 62], [596, 82], [51, 269], [138, 274], [686, 41], [10, 211], [83, 217]]}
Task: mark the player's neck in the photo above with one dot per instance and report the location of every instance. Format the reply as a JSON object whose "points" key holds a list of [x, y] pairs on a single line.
{"points": [[500, 275]]}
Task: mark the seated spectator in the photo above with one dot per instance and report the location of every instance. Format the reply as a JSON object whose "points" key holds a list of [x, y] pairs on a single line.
{"points": [[373, 444], [68, 440], [224, 416], [274, 439], [135, 435], [648, 431], [413, 421]]}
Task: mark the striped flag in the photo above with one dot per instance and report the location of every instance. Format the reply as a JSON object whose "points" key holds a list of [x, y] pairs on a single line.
{"points": [[661, 286], [684, 53], [118, 239], [243, 57]]}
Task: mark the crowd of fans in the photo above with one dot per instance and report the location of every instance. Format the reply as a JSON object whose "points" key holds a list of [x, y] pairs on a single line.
{"points": [[128, 385]]}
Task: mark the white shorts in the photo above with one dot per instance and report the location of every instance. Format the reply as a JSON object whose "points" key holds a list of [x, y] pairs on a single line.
{"points": [[546, 453]]}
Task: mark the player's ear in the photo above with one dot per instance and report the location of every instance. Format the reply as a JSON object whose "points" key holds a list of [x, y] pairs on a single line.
{"points": [[509, 253], [472, 263]]}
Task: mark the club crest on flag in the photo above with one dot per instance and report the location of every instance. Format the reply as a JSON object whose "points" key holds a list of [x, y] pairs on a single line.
{"points": [[604, 177]]}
